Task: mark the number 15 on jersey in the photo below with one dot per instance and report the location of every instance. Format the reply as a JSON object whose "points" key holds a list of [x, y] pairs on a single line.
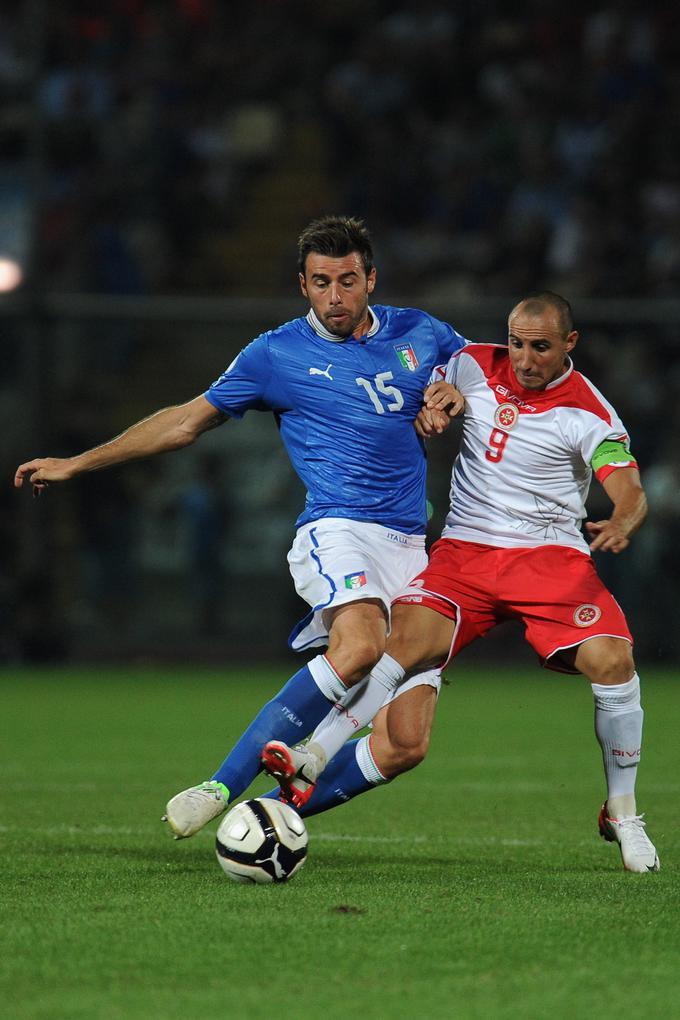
{"points": [[394, 400]]}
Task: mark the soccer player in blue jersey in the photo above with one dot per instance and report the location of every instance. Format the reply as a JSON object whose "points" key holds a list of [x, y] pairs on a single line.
{"points": [[345, 383]]}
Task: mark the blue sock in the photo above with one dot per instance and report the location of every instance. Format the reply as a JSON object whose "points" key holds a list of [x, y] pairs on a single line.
{"points": [[341, 780], [291, 714]]}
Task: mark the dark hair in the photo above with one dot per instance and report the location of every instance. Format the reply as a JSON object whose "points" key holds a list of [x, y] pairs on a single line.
{"points": [[536, 303], [336, 236]]}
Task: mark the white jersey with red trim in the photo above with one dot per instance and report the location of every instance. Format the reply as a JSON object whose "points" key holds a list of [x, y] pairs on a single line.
{"points": [[524, 468]]}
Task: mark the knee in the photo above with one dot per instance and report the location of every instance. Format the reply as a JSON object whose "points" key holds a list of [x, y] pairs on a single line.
{"points": [[360, 658], [615, 666]]}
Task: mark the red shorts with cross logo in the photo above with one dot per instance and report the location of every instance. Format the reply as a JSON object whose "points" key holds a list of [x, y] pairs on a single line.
{"points": [[553, 590]]}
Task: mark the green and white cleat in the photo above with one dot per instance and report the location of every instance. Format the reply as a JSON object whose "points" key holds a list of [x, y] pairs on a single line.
{"points": [[191, 809], [637, 850]]}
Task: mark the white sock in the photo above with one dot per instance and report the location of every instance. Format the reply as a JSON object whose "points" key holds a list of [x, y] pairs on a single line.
{"points": [[326, 679], [366, 762], [356, 708], [618, 727]]}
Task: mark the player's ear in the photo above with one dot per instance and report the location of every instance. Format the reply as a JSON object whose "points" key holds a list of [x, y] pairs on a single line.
{"points": [[572, 340], [370, 281], [303, 286]]}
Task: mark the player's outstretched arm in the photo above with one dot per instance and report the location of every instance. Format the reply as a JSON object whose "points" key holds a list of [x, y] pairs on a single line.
{"points": [[169, 429], [630, 509]]}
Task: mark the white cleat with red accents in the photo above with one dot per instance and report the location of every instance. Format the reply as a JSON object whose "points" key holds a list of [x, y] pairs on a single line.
{"points": [[295, 769], [637, 850]]}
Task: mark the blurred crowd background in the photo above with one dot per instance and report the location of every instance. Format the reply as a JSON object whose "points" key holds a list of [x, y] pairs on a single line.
{"points": [[157, 162]]}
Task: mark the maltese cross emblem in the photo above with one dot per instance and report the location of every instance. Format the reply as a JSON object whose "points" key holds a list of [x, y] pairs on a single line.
{"points": [[587, 615], [506, 416]]}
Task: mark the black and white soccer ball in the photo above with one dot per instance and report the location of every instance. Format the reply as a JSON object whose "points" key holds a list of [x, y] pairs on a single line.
{"points": [[261, 840]]}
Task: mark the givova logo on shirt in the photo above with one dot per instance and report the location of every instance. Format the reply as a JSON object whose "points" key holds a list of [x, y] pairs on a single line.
{"points": [[357, 580], [407, 356]]}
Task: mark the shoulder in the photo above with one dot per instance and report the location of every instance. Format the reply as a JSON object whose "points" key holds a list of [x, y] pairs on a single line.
{"points": [[406, 317], [280, 342], [420, 324], [490, 357], [292, 330], [584, 395]]}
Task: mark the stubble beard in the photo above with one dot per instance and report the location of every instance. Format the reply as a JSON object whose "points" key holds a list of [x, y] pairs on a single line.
{"points": [[352, 323]]}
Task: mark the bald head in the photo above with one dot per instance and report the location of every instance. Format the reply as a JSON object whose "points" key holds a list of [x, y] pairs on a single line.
{"points": [[535, 305], [540, 338]]}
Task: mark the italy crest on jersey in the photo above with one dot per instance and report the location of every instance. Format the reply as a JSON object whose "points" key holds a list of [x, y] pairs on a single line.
{"points": [[357, 580], [407, 356]]}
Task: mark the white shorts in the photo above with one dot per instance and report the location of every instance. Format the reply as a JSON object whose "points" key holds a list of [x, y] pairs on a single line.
{"points": [[335, 561]]}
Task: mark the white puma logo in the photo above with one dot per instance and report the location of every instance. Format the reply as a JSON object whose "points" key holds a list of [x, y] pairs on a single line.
{"points": [[279, 870], [320, 371]]}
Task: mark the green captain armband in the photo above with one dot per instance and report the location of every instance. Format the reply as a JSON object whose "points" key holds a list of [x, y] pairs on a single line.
{"points": [[612, 453]]}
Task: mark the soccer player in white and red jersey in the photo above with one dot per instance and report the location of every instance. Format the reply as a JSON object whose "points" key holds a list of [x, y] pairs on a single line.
{"points": [[534, 432]]}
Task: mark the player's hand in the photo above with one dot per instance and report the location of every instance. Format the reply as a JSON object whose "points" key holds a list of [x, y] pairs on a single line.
{"points": [[42, 471], [607, 536], [431, 422], [442, 396]]}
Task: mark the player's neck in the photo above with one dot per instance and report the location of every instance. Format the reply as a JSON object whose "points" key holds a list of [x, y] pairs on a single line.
{"points": [[364, 327]]}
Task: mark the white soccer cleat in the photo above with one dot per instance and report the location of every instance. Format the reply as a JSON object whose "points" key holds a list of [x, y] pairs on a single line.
{"points": [[637, 850], [295, 769], [191, 809]]}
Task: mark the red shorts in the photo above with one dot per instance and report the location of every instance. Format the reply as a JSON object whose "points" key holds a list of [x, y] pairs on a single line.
{"points": [[554, 590]]}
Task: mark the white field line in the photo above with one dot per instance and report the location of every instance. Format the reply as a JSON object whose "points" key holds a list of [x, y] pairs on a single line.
{"points": [[79, 830], [316, 837], [458, 840]]}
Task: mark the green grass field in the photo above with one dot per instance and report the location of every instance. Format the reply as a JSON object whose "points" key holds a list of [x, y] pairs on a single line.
{"points": [[474, 887]]}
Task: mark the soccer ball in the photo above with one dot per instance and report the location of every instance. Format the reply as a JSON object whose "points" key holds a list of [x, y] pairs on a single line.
{"points": [[261, 840]]}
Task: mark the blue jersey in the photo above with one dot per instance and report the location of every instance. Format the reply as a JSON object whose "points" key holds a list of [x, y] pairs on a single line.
{"points": [[345, 409]]}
